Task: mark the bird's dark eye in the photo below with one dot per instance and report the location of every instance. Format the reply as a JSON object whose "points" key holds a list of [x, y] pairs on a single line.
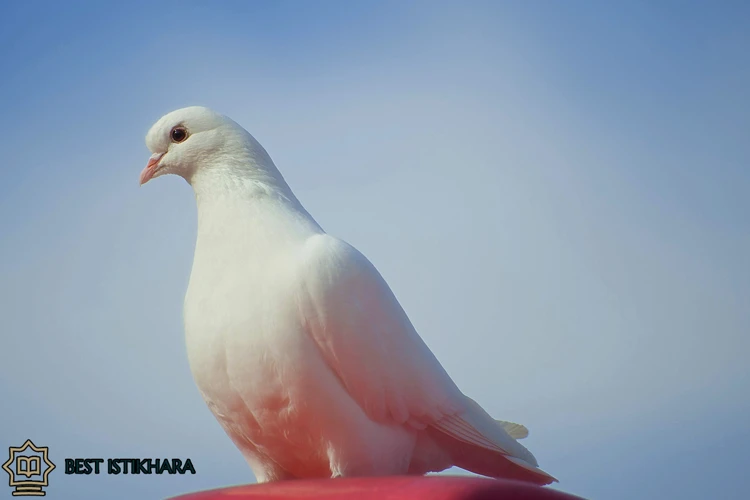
{"points": [[178, 134]]}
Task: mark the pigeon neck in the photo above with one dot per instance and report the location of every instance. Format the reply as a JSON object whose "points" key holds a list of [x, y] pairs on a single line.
{"points": [[239, 179], [224, 194]]}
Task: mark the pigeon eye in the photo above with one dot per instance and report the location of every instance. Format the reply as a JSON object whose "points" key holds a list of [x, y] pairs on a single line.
{"points": [[178, 134]]}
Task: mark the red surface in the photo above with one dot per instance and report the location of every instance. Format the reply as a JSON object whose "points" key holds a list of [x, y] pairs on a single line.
{"points": [[388, 488]]}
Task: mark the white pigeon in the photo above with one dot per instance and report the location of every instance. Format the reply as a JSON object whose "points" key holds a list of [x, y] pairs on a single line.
{"points": [[295, 341]]}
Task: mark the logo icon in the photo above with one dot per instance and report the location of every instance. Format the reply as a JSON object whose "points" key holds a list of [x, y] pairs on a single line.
{"points": [[24, 466]]}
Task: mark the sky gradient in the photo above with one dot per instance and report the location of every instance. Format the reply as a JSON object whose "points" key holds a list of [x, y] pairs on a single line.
{"points": [[557, 193]]}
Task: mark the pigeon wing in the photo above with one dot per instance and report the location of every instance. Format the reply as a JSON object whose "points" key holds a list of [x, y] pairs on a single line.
{"points": [[368, 341]]}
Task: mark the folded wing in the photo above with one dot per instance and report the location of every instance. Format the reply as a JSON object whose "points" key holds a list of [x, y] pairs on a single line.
{"points": [[368, 341]]}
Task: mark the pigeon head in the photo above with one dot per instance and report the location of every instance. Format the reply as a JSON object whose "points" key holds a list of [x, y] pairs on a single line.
{"points": [[183, 140], [196, 142]]}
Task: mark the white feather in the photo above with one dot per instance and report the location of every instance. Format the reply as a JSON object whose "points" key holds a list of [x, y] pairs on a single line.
{"points": [[295, 341]]}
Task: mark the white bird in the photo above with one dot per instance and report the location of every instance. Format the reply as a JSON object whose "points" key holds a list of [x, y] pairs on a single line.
{"points": [[297, 344]]}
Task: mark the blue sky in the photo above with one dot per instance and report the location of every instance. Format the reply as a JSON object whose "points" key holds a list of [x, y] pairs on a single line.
{"points": [[555, 191]]}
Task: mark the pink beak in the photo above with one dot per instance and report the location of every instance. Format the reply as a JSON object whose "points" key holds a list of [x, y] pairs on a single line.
{"points": [[151, 167]]}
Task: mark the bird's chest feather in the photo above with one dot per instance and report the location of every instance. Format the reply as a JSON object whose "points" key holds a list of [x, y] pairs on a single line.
{"points": [[249, 354], [241, 328]]}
